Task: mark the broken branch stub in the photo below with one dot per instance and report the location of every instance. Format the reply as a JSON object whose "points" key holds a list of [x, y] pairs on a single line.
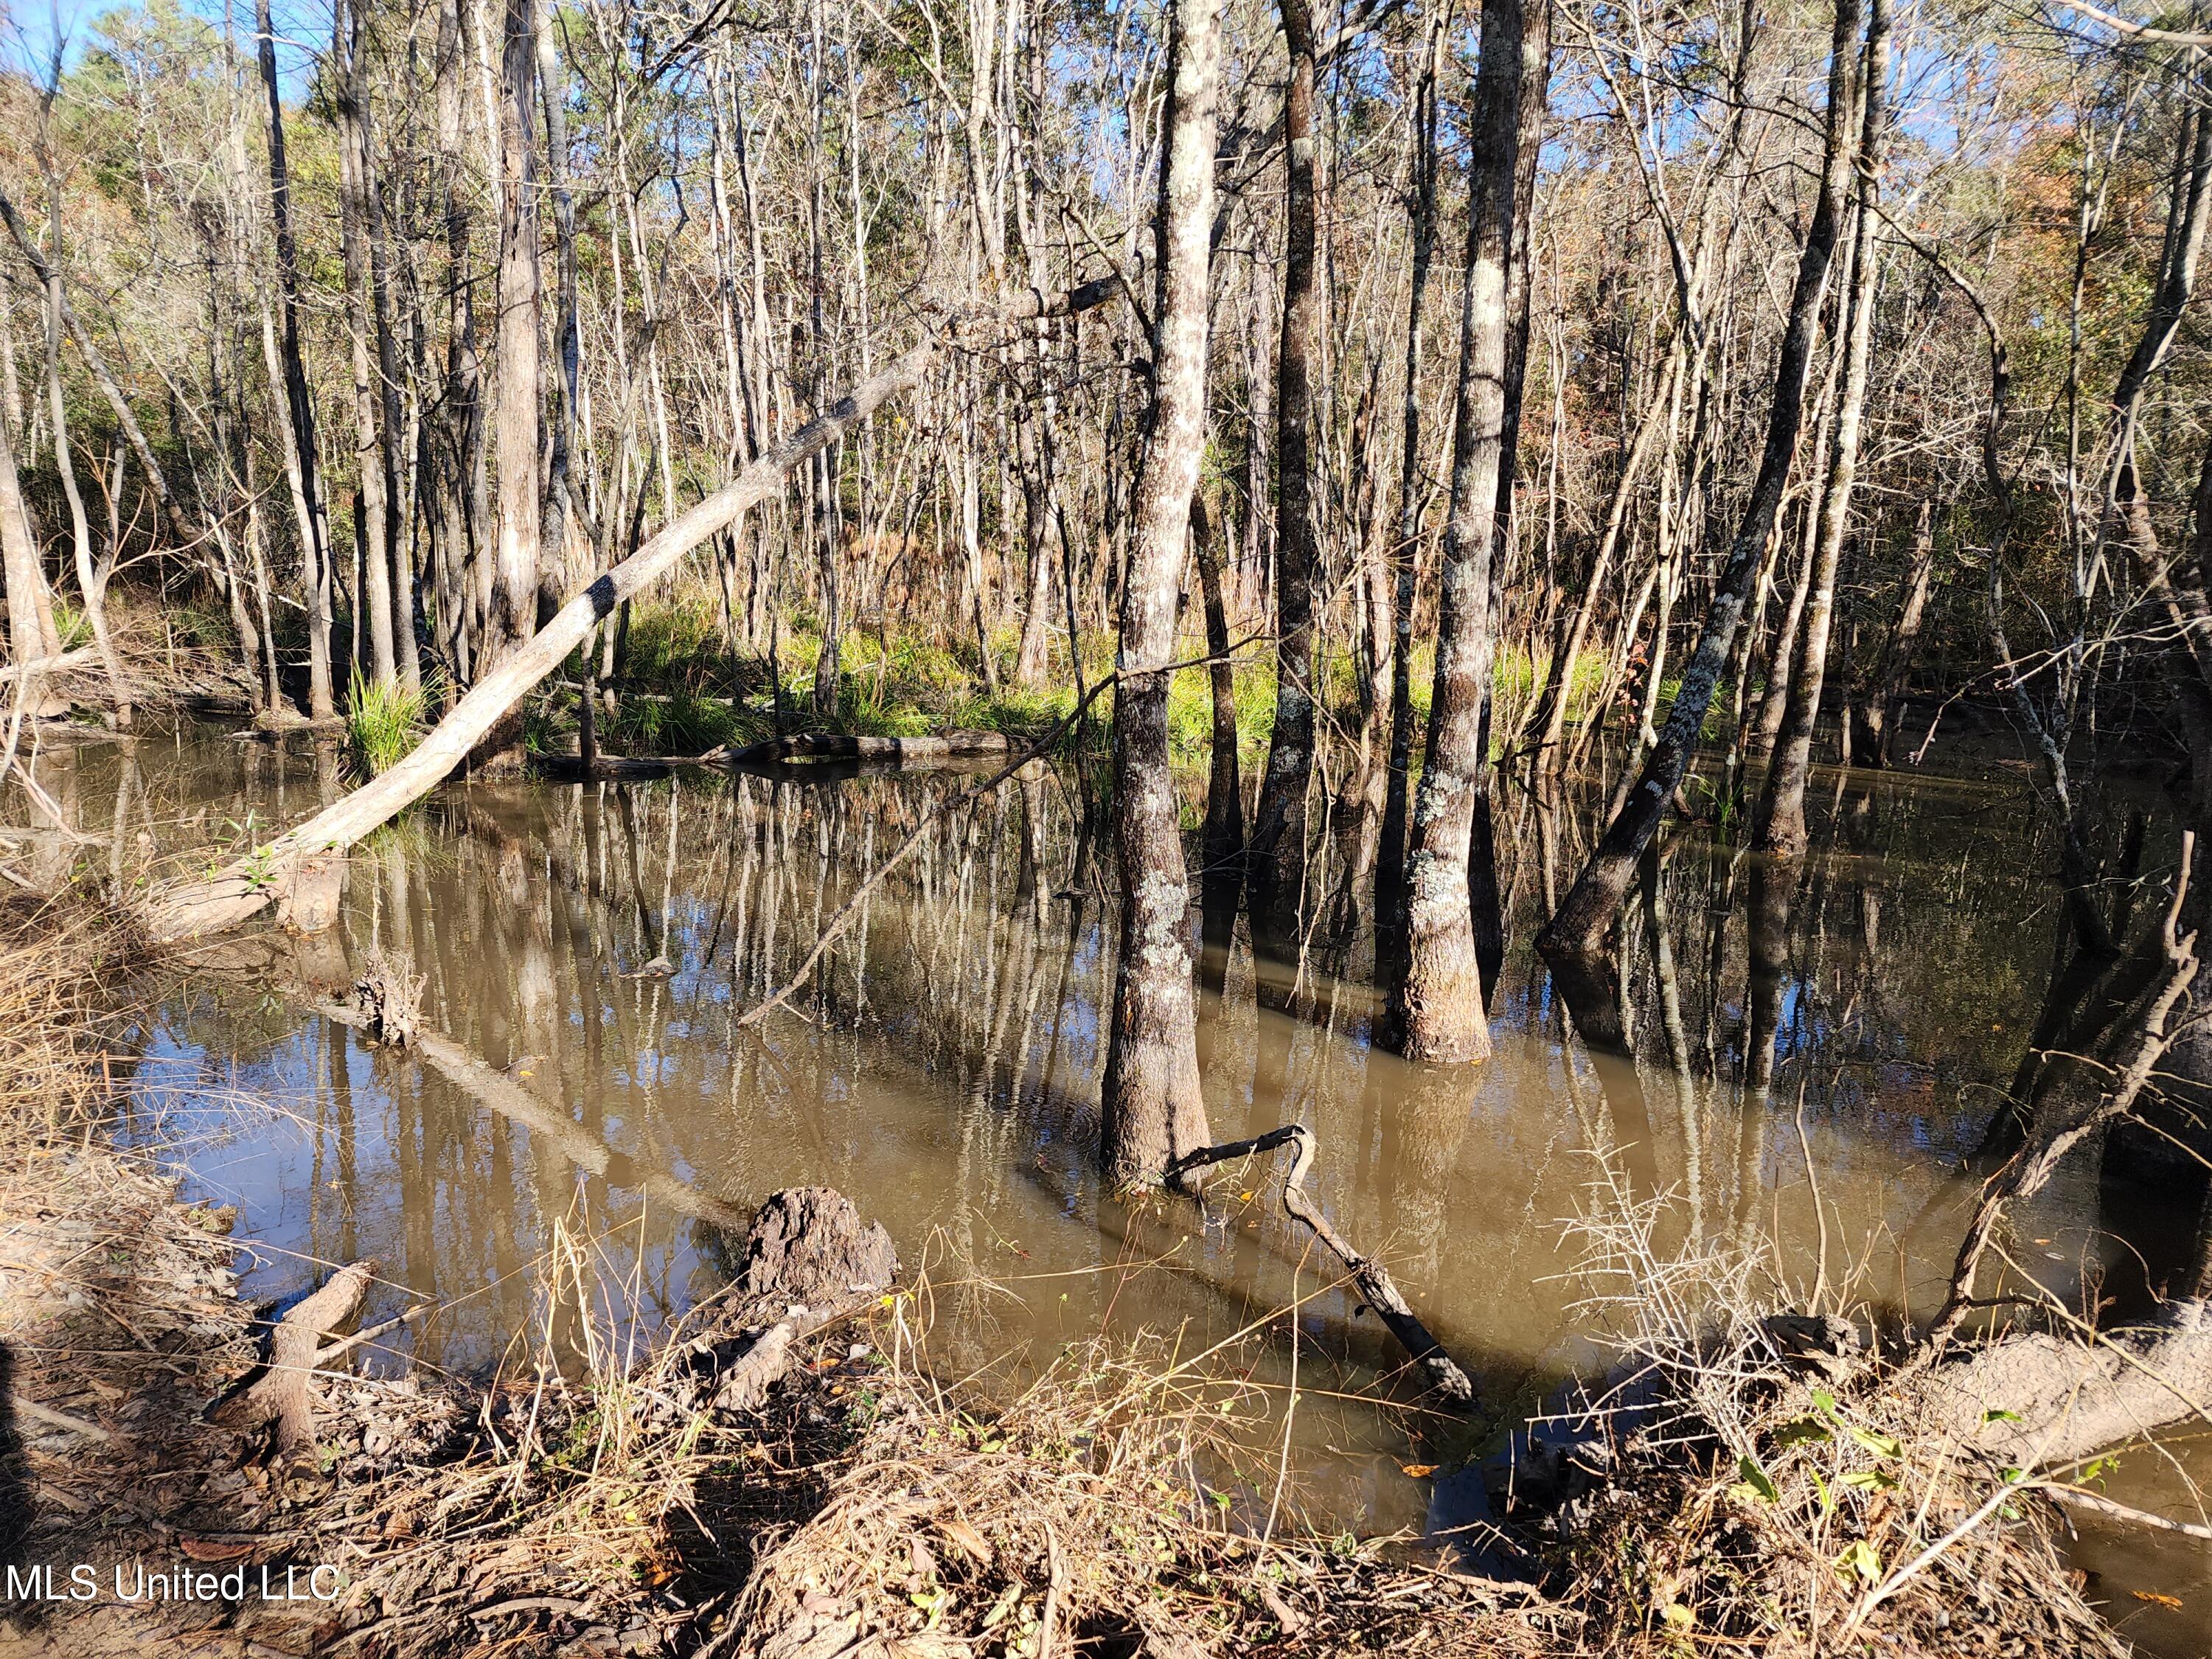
{"points": [[192, 910], [1381, 1292]]}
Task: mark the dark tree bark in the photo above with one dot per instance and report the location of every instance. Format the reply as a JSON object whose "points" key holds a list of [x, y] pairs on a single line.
{"points": [[1152, 1110], [1437, 1009], [1390, 861], [1278, 828], [1585, 916], [1222, 841], [1886, 700]]}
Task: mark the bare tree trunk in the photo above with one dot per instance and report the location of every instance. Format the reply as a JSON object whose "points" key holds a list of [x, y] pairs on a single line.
{"points": [[371, 460], [1437, 1010], [1886, 700], [1586, 914], [1780, 813], [1279, 829], [1390, 861], [32, 634], [514, 575], [1152, 1110]]}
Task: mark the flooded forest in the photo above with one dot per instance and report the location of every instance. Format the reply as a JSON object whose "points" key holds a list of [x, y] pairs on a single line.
{"points": [[1110, 827]]}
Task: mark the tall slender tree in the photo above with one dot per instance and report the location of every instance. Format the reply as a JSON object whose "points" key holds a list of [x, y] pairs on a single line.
{"points": [[1153, 1109]]}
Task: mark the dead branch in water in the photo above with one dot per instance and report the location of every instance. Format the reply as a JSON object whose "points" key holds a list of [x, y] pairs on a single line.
{"points": [[2034, 1165], [1382, 1294]]}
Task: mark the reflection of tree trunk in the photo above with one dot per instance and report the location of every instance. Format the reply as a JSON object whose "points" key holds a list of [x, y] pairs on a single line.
{"points": [[1592, 991], [1657, 925], [1153, 1109]]}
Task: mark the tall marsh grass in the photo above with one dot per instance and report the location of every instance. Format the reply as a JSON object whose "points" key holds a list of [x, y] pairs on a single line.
{"points": [[383, 721]]}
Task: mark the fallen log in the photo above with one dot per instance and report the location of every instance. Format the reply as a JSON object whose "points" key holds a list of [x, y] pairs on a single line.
{"points": [[283, 1394], [2039, 1402], [1375, 1284], [189, 909], [834, 746]]}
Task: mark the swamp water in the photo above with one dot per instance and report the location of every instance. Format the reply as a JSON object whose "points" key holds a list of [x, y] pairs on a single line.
{"points": [[595, 945]]}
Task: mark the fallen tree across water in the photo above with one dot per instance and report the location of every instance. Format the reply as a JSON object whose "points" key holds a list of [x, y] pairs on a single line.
{"points": [[192, 909], [835, 745]]}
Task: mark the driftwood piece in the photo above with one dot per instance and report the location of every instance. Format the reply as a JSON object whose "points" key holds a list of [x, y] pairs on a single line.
{"points": [[283, 1395], [1376, 1286], [835, 745], [190, 909]]}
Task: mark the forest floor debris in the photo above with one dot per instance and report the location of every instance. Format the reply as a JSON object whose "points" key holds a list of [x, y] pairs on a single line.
{"points": [[789, 1478]]}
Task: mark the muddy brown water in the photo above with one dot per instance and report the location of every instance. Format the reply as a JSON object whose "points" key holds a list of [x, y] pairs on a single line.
{"points": [[598, 944]]}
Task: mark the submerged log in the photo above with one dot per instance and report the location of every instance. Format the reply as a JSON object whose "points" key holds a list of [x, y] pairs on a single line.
{"points": [[833, 745], [1375, 1284], [190, 909], [501, 1091]]}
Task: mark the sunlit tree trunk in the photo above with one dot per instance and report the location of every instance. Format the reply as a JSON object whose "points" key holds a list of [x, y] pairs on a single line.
{"points": [[1438, 1002], [1151, 1107], [514, 577]]}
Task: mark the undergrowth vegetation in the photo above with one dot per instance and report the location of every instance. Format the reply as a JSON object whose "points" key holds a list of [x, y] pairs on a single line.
{"points": [[682, 689]]}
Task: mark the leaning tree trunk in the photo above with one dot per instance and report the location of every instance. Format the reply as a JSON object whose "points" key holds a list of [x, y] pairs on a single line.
{"points": [[1278, 828], [1437, 1010], [1152, 1110], [1781, 812], [1586, 914], [268, 874]]}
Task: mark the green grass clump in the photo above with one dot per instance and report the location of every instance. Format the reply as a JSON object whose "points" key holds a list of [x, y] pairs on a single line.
{"points": [[71, 623], [383, 721]]}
